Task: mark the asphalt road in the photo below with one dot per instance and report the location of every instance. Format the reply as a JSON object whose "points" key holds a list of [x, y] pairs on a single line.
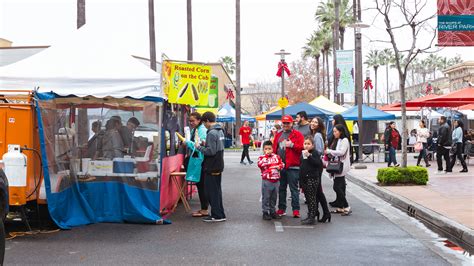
{"points": [[366, 237]]}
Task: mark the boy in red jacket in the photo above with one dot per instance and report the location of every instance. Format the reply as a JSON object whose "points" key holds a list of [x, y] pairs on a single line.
{"points": [[288, 144], [270, 164]]}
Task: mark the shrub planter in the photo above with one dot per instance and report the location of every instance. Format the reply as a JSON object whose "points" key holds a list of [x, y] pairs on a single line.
{"points": [[402, 176]]}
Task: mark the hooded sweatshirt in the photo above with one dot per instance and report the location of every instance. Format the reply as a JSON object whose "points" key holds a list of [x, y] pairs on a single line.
{"points": [[213, 150]]}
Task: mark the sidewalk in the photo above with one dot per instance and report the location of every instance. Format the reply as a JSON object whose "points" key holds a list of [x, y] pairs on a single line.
{"points": [[448, 196]]}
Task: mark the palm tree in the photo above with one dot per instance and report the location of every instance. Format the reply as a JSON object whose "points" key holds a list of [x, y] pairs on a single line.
{"points": [[455, 60], [433, 64], [190, 29], [326, 15], [228, 63], [387, 57], [313, 50], [325, 35], [373, 59], [238, 110]]}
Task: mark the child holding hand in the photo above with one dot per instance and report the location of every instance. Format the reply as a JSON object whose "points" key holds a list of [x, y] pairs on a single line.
{"points": [[270, 165]]}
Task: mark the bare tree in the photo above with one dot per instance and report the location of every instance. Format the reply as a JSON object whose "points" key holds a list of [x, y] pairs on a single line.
{"points": [[302, 82], [264, 95], [414, 22]]}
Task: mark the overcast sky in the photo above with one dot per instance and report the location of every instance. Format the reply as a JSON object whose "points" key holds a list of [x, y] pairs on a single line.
{"points": [[266, 27]]}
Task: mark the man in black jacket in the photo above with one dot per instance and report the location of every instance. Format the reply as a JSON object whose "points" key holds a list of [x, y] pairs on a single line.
{"points": [[443, 145], [213, 166]]}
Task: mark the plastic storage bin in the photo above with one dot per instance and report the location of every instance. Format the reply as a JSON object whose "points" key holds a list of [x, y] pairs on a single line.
{"points": [[124, 165]]}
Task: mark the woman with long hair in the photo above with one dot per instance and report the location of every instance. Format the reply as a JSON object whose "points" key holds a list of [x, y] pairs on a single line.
{"points": [[457, 145], [318, 131], [340, 150], [422, 135], [339, 120], [198, 135]]}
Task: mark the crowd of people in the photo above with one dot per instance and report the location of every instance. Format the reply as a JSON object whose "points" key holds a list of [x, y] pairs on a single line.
{"points": [[448, 144], [296, 155]]}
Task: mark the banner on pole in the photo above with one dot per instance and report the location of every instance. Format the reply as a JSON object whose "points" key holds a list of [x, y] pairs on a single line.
{"points": [[455, 23], [186, 83], [345, 71]]}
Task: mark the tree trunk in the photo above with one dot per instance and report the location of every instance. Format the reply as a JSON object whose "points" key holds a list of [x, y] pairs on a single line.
{"points": [[404, 119], [190, 29], [324, 74], [329, 76], [82, 124], [81, 13], [375, 98], [317, 76], [341, 37], [386, 72], [238, 109]]}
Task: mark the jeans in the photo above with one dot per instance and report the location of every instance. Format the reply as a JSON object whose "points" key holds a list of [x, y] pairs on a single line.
{"points": [[269, 196], [289, 177], [442, 152], [214, 194], [423, 155], [245, 153], [340, 189], [458, 155], [392, 156]]}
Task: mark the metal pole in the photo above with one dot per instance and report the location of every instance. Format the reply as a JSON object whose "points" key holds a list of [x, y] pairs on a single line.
{"points": [[335, 48], [151, 32], [282, 88]]}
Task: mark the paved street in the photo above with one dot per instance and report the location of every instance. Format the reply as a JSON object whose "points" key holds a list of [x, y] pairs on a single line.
{"points": [[376, 233]]}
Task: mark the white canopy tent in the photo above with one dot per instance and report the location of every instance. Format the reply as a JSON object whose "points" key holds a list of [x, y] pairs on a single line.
{"points": [[83, 65]]}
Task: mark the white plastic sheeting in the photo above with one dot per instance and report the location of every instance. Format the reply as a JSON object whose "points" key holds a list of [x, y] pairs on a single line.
{"points": [[83, 65]]}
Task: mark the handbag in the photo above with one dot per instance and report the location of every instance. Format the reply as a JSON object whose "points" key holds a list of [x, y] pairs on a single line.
{"points": [[335, 167], [418, 146], [193, 172]]}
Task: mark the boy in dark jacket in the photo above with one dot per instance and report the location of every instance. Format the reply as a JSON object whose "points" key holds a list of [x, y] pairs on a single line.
{"points": [[213, 166], [270, 165]]}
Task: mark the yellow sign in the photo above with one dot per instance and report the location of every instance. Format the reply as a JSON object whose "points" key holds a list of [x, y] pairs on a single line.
{"points": [[186, 83], [283, 102]]}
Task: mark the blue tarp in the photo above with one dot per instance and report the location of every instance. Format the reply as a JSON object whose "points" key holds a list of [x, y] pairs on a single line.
{"points": [[368, 113], [311, 111], [227, 114], [84, 203]]}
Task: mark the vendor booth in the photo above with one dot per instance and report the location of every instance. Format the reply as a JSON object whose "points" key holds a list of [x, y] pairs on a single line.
{"points": [[97, 114], [324, 103], [227, 114], [311, 111]]}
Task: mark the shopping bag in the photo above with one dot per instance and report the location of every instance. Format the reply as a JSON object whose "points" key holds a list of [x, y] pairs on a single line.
{"points": [[193, 173], [418, 146]]}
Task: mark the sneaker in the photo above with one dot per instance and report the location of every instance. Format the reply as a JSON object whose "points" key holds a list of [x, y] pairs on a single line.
{"points": [[296, 214], [210, 219], [243, 163], [397, 165], [463, 171], [251, 162], [275, 216], [266, 216], [281, 213]]}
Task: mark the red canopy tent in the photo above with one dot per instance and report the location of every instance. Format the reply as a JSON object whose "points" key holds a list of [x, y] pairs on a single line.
{"points": [[453, 99], [397, 107], [467, 107]]}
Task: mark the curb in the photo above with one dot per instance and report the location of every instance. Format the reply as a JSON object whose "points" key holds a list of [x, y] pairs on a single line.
{"points": [[446, 227]]}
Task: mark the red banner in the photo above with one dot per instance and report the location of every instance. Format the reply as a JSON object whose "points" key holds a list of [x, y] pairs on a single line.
{"points": [[455, 23]]}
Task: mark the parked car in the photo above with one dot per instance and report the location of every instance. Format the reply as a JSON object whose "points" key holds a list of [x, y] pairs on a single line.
{"points": [[3, 211]]}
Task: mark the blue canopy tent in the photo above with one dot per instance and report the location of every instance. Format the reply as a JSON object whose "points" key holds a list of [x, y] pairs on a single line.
{"points": [[311, 111], [227, 114], [368, 113]]}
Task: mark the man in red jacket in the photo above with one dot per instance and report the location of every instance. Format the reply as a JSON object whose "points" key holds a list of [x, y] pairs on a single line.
{"points": [[289, 143]]}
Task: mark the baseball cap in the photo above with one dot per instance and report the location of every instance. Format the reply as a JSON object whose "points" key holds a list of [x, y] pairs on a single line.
{"points": [[287, 119]]}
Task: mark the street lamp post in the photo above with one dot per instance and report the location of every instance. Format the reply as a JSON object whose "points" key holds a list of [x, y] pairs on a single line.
{"points": [[358, 76], [367, 77], [282, 55]]}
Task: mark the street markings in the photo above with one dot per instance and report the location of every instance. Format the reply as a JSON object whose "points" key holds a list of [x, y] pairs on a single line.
{"points": [[279, 227]]}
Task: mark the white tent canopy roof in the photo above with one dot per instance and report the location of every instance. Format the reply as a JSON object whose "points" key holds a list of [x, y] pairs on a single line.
{"points": [[83, 65]]}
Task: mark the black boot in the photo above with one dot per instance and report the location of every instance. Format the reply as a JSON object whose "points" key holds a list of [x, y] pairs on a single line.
{"points": [[326, 218], [309, 221]]}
